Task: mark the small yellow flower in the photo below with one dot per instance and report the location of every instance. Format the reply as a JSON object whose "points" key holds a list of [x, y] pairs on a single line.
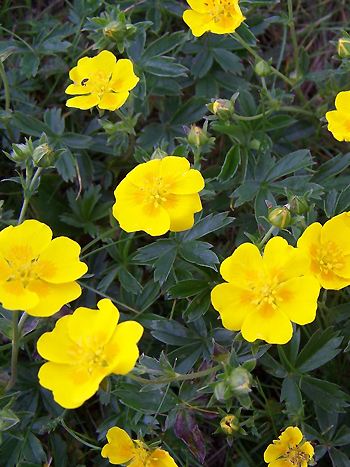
{"points": [[121, 449], [83, 349], [217, 16], [102, 80], [38, 273], [289, 450], [229, 424], [263, 295], [328, 246], [339, 120], [159, 195]]}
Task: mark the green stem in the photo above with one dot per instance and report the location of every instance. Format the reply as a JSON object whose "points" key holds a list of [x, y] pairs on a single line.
{"points": [[78, 437], [176, 377], [266, 236], [6, 87], [15, 347], [28, 194], [257, 57], [291, 25]]}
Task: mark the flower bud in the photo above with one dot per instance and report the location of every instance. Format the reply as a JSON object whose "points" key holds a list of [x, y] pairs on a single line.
{"points": [[44, 156], [262, 68], [298, 205], [240, 381], [229, 424], [198, 136], [344, 47], [222, 108], [21, 152], [118, 30], [280, 217], [158, 154], [221, 391]]}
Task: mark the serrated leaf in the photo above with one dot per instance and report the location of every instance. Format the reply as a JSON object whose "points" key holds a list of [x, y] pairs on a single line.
{"points": [[207, 225]]}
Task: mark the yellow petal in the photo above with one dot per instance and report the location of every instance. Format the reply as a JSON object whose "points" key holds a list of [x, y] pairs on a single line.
{"points": [[121, 350], [291, 436], [76, 89], [123, 76], [308, 449], [5, 270], [244, 265], [161, 458], [331, 281], [25, 241], [13, 296], [149, 217], [59, 262], [82, 70], [282, 260], [52, 297], [71, 385], [83, 102], [92, 329], [113, 100], [197, 22], [337, 231], [233, 303], [181, 210], [297, 299], [274, 451], [144, 174], [105, 61], [339, 124], [56, 345], [120, 447], [281, 463], [199, 5], [173, 167], [273, 327], [342, 101]]}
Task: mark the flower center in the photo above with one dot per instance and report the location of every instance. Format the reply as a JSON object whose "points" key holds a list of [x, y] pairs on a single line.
{"points": [[23, 268], [98, 82], [296, 456], [265, 296], [329, 258], [157, 192], [220, 8]]}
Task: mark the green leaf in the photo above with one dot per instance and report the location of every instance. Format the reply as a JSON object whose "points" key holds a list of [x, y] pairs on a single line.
{"points": [[163, 265], [290, 393], [147, 402], [199, 253], [193, 109], [207, 225], [322, 347], [171, 332], [164, 44], [198, 307], [231, 163], [188, 288], [128, 281], [326, 395], [339, 458], [291, 163], [228, 60], [165, 66]]}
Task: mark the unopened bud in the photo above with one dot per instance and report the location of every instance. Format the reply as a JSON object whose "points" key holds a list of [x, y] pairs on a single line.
{"points": [[262, 68], [280, 217], [229, 424], [44, 156], [220, 391], [197, 136], [344, 47], [240, 381], [298, 205], [21, 152], [222, 108], [158, 154]]}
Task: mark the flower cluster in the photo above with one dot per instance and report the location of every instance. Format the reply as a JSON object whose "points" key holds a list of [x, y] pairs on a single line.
{"points": [[38, 273], [83, 349], [121, 449], [290, 450]]}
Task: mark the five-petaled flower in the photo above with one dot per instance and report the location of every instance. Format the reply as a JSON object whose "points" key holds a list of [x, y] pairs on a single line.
{"points": [[339, 120], [38, 273], [328, 246], [263, 295], [217, 16], [102, 80], [159, 195], [83, 349], [122, 449], [289, 450]]}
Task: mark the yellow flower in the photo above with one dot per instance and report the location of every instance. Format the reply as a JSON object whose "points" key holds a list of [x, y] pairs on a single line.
{"points": [[83, 349], [263, 295], [289, 450], [121, 449], [328, 246], [102, 80], [38, 273], [339, 120], [217, 16], [159, 195]]}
